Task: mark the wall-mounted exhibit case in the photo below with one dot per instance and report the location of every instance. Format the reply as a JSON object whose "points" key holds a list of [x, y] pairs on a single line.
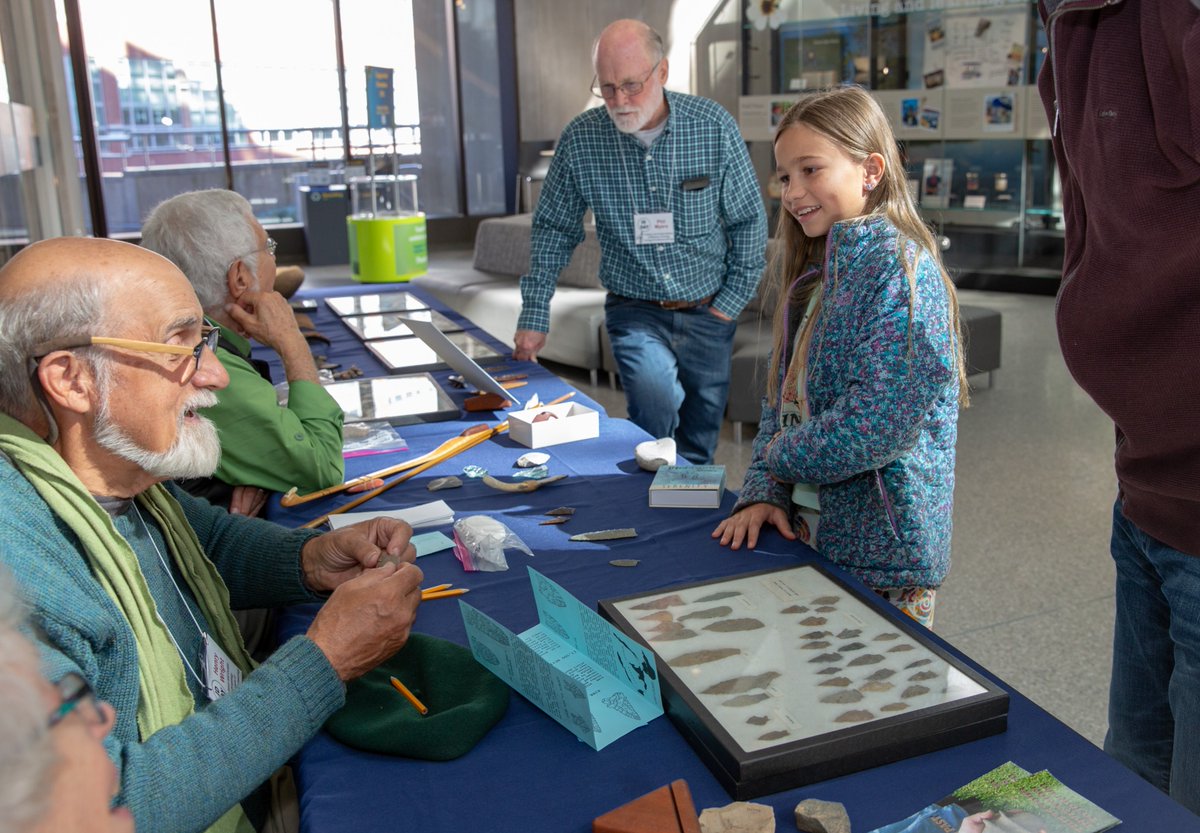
{"points": [[956, 80]]}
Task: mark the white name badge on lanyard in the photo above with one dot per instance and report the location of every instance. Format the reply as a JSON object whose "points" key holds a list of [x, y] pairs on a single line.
{"points": [[221, 676], [654, 228]]}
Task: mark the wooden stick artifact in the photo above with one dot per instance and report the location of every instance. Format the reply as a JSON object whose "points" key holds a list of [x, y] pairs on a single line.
{"points": [[451, 447]]}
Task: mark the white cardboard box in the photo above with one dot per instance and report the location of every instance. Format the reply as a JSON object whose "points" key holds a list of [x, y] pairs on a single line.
{"points": [[573, 422]]}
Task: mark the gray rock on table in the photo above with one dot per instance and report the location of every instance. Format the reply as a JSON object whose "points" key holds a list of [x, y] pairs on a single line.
{"points": [[816, 816], [738, 817]]}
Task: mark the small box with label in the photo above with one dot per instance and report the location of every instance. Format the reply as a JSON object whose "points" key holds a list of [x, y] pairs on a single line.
{"points": [[563, 423]]}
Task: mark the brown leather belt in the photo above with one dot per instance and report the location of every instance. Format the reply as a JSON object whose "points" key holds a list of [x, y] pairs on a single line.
{"points": [[671, 305]]}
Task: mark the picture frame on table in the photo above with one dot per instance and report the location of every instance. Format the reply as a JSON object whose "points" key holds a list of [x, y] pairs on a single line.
{"points": [[412, 355], [374, 303], [390, 325], [781, 678]]}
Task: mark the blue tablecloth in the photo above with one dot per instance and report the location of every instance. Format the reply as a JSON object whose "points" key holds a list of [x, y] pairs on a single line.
{"points": [[531, 774]]}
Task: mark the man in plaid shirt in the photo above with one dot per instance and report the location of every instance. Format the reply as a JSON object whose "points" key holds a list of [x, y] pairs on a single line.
{"points": [[682, 233]]}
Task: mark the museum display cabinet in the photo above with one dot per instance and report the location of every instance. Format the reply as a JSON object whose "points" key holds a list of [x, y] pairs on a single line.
{"points": [[957, 81]]}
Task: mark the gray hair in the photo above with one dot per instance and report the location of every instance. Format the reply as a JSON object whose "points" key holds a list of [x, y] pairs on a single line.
{"points": [[652, 42], [203, 233], [77, 310], [26, 750]]}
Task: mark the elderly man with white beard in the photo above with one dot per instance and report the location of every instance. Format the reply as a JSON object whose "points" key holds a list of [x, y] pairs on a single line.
{"points": [[105, 363], [682, 234]]}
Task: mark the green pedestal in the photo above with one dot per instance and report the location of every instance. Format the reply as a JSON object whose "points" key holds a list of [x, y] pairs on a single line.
{"points": [[387, 249]]}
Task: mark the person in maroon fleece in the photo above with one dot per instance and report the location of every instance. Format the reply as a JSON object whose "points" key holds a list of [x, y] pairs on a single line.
{"points": [[1121, 86]]}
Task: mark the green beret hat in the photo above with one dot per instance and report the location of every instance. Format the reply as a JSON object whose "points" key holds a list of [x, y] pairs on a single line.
{"points": [[464, 699]]}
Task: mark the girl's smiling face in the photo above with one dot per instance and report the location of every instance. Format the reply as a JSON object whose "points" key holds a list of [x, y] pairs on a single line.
{"points": [[820, 183]]}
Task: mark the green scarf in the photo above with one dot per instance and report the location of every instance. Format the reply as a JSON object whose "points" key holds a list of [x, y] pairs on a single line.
{"points": [[164, 697]]}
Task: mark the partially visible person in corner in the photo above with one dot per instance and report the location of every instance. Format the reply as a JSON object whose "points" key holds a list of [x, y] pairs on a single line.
{"points": [[55, 775], [131, 579], [855, 447], [213, 237], [1121, 87], [682, 232]]}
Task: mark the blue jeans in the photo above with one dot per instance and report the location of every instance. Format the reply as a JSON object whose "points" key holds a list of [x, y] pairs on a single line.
{"points": [[674, 366], [1154, 696]]}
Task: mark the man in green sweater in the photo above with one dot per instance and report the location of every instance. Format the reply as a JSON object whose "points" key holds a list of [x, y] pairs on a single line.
{"points": [[105, 362], [213, 237]]}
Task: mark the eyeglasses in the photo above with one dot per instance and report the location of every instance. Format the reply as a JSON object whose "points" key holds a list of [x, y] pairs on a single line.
{"points": [[209, 336], [269, 247], [629, 88], [76, 693]]}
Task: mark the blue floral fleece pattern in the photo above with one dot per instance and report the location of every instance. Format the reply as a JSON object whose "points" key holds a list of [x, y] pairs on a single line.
{"points": [[883, 395]]}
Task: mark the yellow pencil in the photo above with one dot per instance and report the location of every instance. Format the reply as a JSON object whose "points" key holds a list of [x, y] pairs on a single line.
{"points": [[443, 594], [434, 589], [409, 696]]}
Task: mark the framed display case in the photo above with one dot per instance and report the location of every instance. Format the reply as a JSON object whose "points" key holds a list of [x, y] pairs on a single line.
{"points": [[397, 400], [375, 303], [389, 325], [412, 355], [781, 678]]}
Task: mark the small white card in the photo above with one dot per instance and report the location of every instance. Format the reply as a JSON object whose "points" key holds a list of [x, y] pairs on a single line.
{"points": [[434, 513], [221, 676], [974, 201], [654, 228]]}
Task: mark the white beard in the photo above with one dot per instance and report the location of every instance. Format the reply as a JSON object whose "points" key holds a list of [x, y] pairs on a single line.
{"points": [[632, 119], [195, 453]]}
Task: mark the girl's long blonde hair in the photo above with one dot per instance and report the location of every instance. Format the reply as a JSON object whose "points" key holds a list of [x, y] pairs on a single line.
{"points": [[851, 119]]}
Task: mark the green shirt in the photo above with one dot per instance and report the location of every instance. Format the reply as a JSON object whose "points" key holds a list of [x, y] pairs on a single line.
{"points": [[269, 446]]}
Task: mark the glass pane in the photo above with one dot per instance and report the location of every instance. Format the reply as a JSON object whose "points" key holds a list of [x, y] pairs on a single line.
{"points": [[154, 100], [279, 70], [14, 230], [483, 138], [383, 36]]}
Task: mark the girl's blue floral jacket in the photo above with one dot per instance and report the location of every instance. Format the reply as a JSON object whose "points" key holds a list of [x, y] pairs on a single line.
{"points": [[883, 395]]}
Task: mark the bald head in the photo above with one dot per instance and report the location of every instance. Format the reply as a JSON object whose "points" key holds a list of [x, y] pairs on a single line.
{"points": [[68, 288], [628, 40]]}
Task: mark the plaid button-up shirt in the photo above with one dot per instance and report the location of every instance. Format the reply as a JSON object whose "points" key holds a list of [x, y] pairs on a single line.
{"points": [[720, 227]]}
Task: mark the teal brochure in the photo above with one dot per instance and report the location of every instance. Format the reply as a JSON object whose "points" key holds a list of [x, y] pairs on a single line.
{"points": [[573, 665]]}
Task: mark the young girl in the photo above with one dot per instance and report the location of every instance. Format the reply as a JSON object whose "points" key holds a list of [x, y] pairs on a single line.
{"points": [[855, 447]]}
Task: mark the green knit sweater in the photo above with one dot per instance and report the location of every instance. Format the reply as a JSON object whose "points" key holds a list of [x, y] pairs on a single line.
{"points": [[181, 779]]}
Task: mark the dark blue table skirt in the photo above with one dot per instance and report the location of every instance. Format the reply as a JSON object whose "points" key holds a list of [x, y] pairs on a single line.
{"points": [[531, 774]]}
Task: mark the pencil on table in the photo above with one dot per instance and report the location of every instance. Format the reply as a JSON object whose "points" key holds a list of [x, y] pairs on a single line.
{"points": [[443, 594], [409, 696], [434, 589]]}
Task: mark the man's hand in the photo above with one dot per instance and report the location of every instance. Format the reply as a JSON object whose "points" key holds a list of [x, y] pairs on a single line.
{"points": [[745, 525], [265, 317], [527, 344], [718, 314], [337, 557], [368, 618], [247, 500]]}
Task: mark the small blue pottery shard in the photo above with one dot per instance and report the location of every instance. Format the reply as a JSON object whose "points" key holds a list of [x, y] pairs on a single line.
{"points": [[535, 473], [474, 472]]}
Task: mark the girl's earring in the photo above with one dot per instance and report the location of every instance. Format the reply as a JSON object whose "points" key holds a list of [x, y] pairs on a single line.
{"points": [[869, 186]]}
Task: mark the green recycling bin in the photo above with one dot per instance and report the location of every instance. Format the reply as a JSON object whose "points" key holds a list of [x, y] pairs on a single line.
{"points": [[386, 232]]}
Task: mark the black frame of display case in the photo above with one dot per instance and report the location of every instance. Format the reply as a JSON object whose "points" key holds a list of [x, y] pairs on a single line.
{"points": [[747, 775]]}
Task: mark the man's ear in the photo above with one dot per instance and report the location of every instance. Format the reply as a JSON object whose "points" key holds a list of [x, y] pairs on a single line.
{"points": [[67, 382], [238, 279], [663, 72]]}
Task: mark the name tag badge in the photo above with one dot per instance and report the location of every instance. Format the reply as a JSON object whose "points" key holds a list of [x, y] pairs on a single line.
{"points": [[653, 228], [221, 676]]}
